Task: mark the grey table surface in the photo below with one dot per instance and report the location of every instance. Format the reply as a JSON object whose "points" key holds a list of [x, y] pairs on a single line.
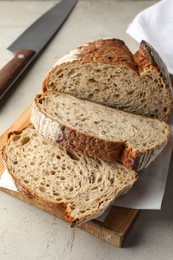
{"points": [[27, 232]]}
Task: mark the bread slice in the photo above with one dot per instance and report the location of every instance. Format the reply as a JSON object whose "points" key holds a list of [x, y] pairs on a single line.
{"points": [[106, 72], [44, 171], [99, 131]]}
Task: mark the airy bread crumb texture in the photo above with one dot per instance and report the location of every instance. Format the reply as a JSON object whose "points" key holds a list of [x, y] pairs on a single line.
{"points": [[55, 176], [106, 72], [141, 133], [114, 86]]}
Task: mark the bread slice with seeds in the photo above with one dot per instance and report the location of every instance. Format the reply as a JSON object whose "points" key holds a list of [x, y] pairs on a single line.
{"points": [[99, 131], [106, 72], [52, 176]]}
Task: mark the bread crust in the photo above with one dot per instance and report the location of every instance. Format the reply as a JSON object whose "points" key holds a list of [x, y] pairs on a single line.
{"points": [[82, 143], [148, 60], [108, 51], [115, 52], [75, 140]]}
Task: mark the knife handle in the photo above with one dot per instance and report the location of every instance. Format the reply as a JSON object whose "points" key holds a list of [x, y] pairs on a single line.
{"points": [[13, 69]]}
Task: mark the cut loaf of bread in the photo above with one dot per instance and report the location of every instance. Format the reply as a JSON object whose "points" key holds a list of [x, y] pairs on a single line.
{"points": [[44, 171], [99, 131], [106, 72]]}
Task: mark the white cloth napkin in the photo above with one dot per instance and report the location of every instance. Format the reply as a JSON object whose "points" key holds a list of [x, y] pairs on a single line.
{"points": [[155, 25]]}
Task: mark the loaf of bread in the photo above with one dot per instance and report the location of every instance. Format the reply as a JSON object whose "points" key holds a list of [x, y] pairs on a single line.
{"points": [[99, 131], [44, 171], [106, 72]]}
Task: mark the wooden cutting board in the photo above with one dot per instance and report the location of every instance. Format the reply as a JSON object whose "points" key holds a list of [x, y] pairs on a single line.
{"points": [[118, 221]]}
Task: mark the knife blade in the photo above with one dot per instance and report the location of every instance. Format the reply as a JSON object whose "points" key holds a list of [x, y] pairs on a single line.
{"points": [[32, 41]]}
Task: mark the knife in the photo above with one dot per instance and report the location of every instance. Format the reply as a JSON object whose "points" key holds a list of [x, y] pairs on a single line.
{"points": [[30, 43]]}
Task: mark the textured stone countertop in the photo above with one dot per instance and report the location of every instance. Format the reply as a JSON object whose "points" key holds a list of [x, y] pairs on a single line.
{"points": [[25, 231]]}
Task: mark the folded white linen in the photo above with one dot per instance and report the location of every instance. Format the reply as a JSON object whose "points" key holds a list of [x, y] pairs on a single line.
{"points": [[155, 25]]}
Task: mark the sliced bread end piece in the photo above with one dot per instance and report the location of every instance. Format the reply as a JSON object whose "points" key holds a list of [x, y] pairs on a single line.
{"points": [[52, 176]]}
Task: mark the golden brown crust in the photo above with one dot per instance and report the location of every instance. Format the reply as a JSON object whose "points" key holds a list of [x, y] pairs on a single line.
{"points": [[129, 157], [92, 146], [144, 59], [108, 51], [148, 60], [45, 83]]}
